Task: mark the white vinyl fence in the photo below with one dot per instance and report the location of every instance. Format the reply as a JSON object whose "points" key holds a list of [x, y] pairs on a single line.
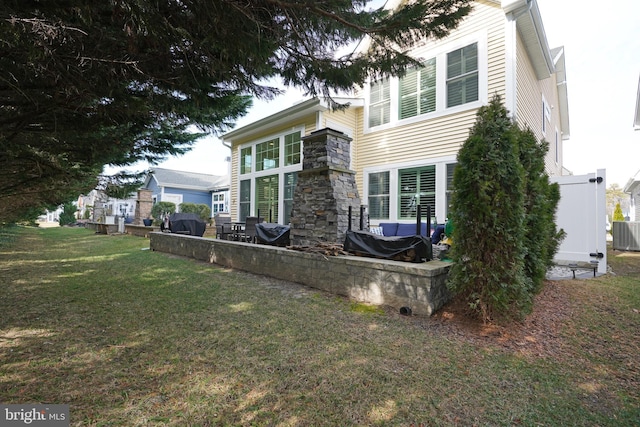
{"points": [[582, 215]]}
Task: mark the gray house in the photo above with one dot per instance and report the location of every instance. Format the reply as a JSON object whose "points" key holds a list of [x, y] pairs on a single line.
{"points": [[632, 188], [168, 185]]}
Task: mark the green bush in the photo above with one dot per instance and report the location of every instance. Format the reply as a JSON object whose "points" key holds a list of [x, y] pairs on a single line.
{"points": [[200, 209], [161, 208], [541, 239], [68, 215], [503, 210], [617, 213]]}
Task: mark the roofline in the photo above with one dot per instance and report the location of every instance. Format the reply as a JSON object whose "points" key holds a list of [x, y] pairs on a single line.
{"points": [[563, 97], [632, 183], [527, 12], [296, 111]]}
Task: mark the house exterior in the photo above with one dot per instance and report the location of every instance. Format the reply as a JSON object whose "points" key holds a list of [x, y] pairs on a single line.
{"points": [[168, 185], [406, 132], [632, 188]]}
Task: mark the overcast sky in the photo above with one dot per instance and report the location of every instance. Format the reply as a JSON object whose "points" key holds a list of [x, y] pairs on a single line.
{"points": [[602, 53]]}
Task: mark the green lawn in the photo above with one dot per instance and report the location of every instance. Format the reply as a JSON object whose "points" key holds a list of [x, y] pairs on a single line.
{"points": [[131, 337]]}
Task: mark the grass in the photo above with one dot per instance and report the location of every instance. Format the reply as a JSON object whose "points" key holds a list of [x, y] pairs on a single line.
{"points": [[131, 337]]}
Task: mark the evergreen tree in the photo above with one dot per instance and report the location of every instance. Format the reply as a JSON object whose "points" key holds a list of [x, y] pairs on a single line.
{"points": [[617, 213], [503, 208], [541, 238], [488, 216], [87, 84], [68, 215]]}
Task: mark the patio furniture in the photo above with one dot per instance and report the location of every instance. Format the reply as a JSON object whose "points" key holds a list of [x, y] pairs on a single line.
{"points": [[224, 229], [249, 233]]}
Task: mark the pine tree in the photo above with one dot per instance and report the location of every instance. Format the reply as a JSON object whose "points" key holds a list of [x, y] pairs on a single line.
{"points": [[489, 217], [541, 238], [617, 213], [88, 84], [503, 209]]}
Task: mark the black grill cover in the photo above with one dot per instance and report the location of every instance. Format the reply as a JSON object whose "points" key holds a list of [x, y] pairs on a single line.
{"points": [[272, 234], [187, 223], [363, 242]]}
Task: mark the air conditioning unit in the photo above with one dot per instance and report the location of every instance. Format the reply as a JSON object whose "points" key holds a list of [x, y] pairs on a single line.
{"points": [[626, 236]]}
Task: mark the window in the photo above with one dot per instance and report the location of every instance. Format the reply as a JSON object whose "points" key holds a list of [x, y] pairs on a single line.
{"points": [[245, 199], [379, 195], [380, 103], [268, 155], [546, 115], [452, 79], [417, 186], [462, 75], [269, 176], [449, 191], [245, 160], [395, 193], [292, 145], [218, 203], [418, 91], [290, 181]]}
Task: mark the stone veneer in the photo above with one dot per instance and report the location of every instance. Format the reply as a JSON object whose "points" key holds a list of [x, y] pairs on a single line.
{"points": [[419, 286], [143, 206], [325, 189]]}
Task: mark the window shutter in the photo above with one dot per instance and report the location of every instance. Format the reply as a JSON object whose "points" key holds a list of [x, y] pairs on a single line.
{"points": [[409, 94], [267, 196], [417, 187], [379, 195], [379, 103]]}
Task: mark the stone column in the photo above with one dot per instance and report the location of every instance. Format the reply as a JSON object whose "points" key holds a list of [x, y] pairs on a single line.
{"points": [[325, 189], [143, 206]]}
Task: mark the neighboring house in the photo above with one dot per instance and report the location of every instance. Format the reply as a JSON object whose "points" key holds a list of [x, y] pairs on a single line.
{"points": [[633, 189], [406, 132], [178, 187]]}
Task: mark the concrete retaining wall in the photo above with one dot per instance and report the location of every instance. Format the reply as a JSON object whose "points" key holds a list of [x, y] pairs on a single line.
{"points": [[422, 287]]}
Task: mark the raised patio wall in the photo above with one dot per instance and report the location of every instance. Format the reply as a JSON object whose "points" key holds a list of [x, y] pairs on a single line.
{"points": [[419, 286]]}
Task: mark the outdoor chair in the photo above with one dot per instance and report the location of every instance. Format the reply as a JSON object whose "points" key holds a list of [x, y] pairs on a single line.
{"points": [[249, 233], [224, 229]]}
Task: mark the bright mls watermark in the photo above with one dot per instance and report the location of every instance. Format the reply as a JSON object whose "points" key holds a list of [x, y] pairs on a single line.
{"points": [[34, 415]]}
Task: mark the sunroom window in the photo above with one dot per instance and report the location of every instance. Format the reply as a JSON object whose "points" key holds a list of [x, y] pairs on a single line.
{"points": [[267, 196], [268, 155]]}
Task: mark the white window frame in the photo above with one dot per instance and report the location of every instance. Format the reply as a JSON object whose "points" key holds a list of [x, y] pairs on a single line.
{"points": [[440, 53], [224, 202], [441, 186], [281, 170]]}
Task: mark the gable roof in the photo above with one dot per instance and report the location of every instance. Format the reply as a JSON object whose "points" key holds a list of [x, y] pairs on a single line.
{"points": [[299, 110], [187, 180]]}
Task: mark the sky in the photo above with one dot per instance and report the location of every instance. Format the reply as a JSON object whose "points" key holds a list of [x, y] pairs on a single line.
{"points": [[602, 55]]}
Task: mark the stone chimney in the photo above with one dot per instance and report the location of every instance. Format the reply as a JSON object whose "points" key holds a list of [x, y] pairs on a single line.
{"points": [[143, 206], [325, 189]]}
